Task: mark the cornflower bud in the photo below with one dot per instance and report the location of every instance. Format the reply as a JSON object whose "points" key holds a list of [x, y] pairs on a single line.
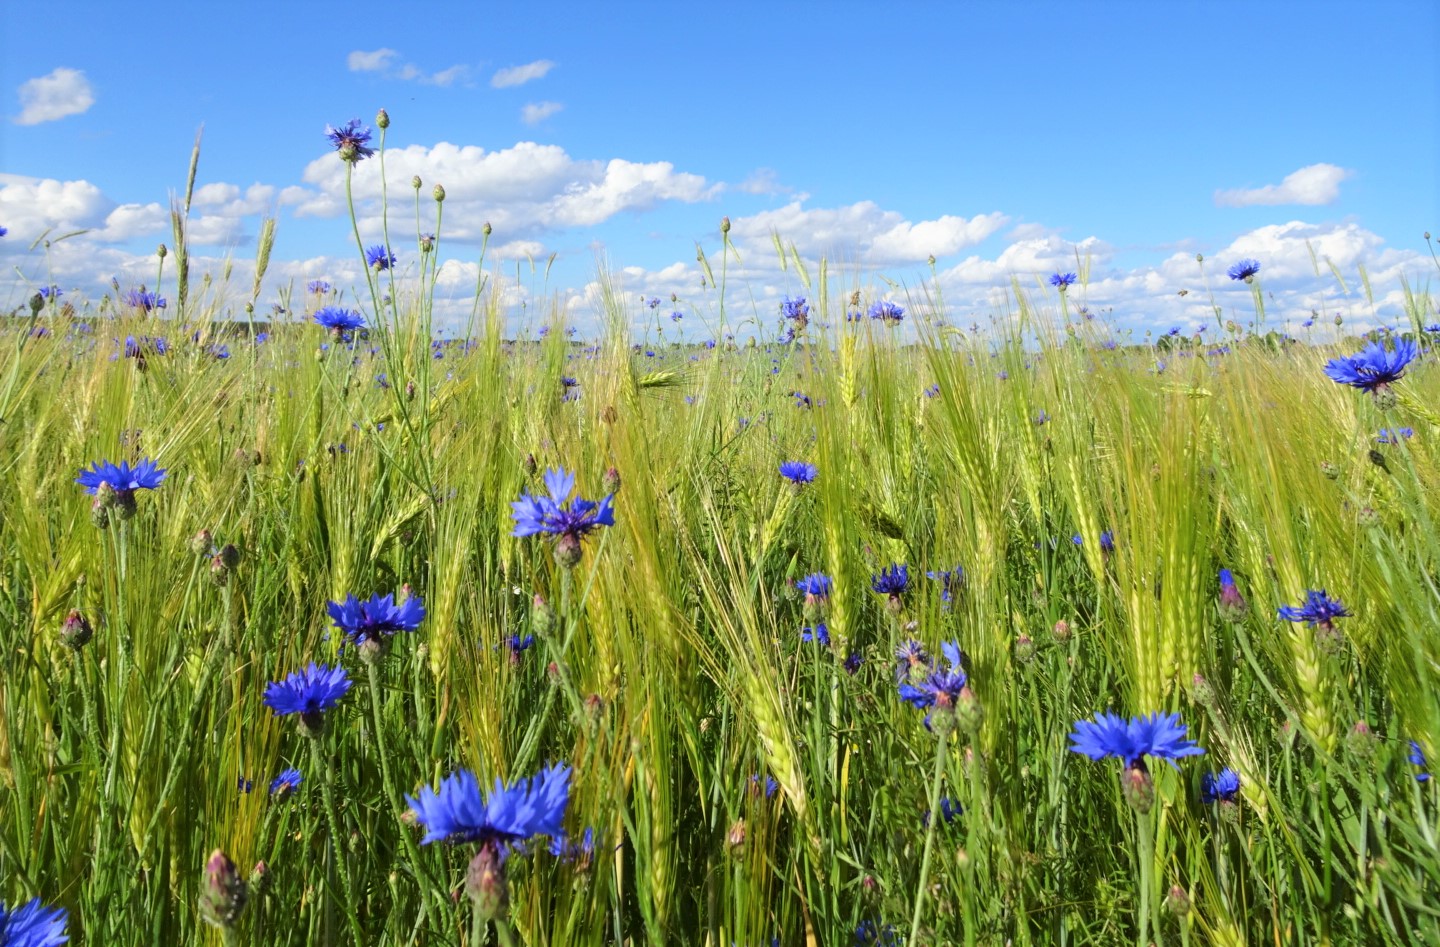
{"points": [[382, 118], [75, 632], [223, 892]]}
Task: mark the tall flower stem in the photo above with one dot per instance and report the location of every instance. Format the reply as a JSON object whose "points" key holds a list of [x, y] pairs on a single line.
{"points": [[1145, 851], [422, 877], [935, 780], [321, 767]]}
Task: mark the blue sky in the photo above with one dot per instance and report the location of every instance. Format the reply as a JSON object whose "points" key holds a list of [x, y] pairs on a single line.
{"points": [[999, 137]]}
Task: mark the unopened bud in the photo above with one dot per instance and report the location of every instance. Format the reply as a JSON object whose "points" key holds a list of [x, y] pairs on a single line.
{"points": [[1199, 258], [568, 551], [610, 482], [100, 513], [382, 118], [1201, 692], [1024, 649], [219, 572], [161, 251], [1061, 631], [223, 892], [1329, 470], [438, 194], [229, 555], [968, 712], [485, 882], [1177, 902], [1138, 788], [1361, 741], [543, 619], [415, 182], [486, 230], [75, 632], [735, 838], [1385, 397], [724, 224], [1368, 517]]}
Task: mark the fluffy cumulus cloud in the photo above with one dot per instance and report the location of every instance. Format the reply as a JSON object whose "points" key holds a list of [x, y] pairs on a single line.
{"points": [[1312, 185], [873, 235], [62, 93], [536, 112], [519, 75], [386, 62], [522, 191]]}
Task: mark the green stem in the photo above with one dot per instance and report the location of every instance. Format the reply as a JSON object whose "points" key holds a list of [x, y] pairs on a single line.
{"points": [[1145, 844], [337, 845], [935, 781]]}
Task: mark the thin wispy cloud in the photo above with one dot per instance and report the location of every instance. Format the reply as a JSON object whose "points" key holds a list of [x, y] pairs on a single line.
{"points": [[536, 112], [62, 93], [1311, 186], [519, 75], [386, 63]]}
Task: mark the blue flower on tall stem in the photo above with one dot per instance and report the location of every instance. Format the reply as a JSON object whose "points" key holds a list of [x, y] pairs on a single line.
{"points": [[459, 813], [350, 140], [1219, 787], [318, 286], [1319, 609], [798, 472], [1062, 281], [893, 580], [1375, 368], [378, 617], [144, 301], [1417, 758], [308, 692], [912, 662], [286, 783], [1244, 270], [951, 581], [568, 522], [32, 924], [339, 320], [796, 309], [122, 478], [943, 689], [887, 312], [1158, 734], [379, 257]]}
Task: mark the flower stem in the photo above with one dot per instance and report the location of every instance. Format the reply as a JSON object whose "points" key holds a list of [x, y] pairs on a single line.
{"points": [[319, 764], [935, 781], [1145, 843]]}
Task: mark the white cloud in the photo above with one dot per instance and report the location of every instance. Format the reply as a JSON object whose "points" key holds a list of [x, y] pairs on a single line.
{"points": [[536, 112], [377, 61], [763, 181], [519, 75], [47, 98], [1312, 185], [873, 235], [522, 190], [383, 61]]}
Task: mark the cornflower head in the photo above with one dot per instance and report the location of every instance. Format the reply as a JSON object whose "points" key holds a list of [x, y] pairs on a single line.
{"points": [[1319, 610], [951, 581], [309, 692], [1107, 541], [318, 286], [1374, 369], [913, 663], [1244, 270], [1159, 735], [577, 853], [1417, 758], [892, 581], [458, 813], [379, 257], [1233, 607], [887, 312], [943, 692], [817, 587], [798, 472], [518, 645], [370, 623], [770, 786], [114, 486], [818, 633], [350, 140], [339, 320], [1223, 786], [32, 924], [797, 309], [286, 783], [568, 522], [144, 301], [1387, 436], [1062, 281]]}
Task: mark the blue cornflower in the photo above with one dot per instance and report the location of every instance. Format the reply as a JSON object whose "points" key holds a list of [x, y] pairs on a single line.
{"points": [[32, 924], [286, 783], [942, 688], [317, 286], [147, 302], [933, 391], [654, 302], [771, 786], [951, 580], [350, 140], [1375, 368], [1387, 436], [799, 472], [949, 809], [676, 316], [1159, 735], [852, 663], [378, 618], [1233, 607], [1219, 787], [802, 400], [1319, 609], [819, 634], [379, 258], [122, 478], [568, 522], [51, 292], [518, 645], [912, 661], [4, 231], [892, 580], [458, 813], [1062, 280], [309, 693], [796, 308], [870, 934], [887, 312], [817, 584], [577, 853], [1245, 269], [1042, 417], [244, 785], [1308, 323], [1107, 541], [339, 320], [1433, 329], [1417, 758]]}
